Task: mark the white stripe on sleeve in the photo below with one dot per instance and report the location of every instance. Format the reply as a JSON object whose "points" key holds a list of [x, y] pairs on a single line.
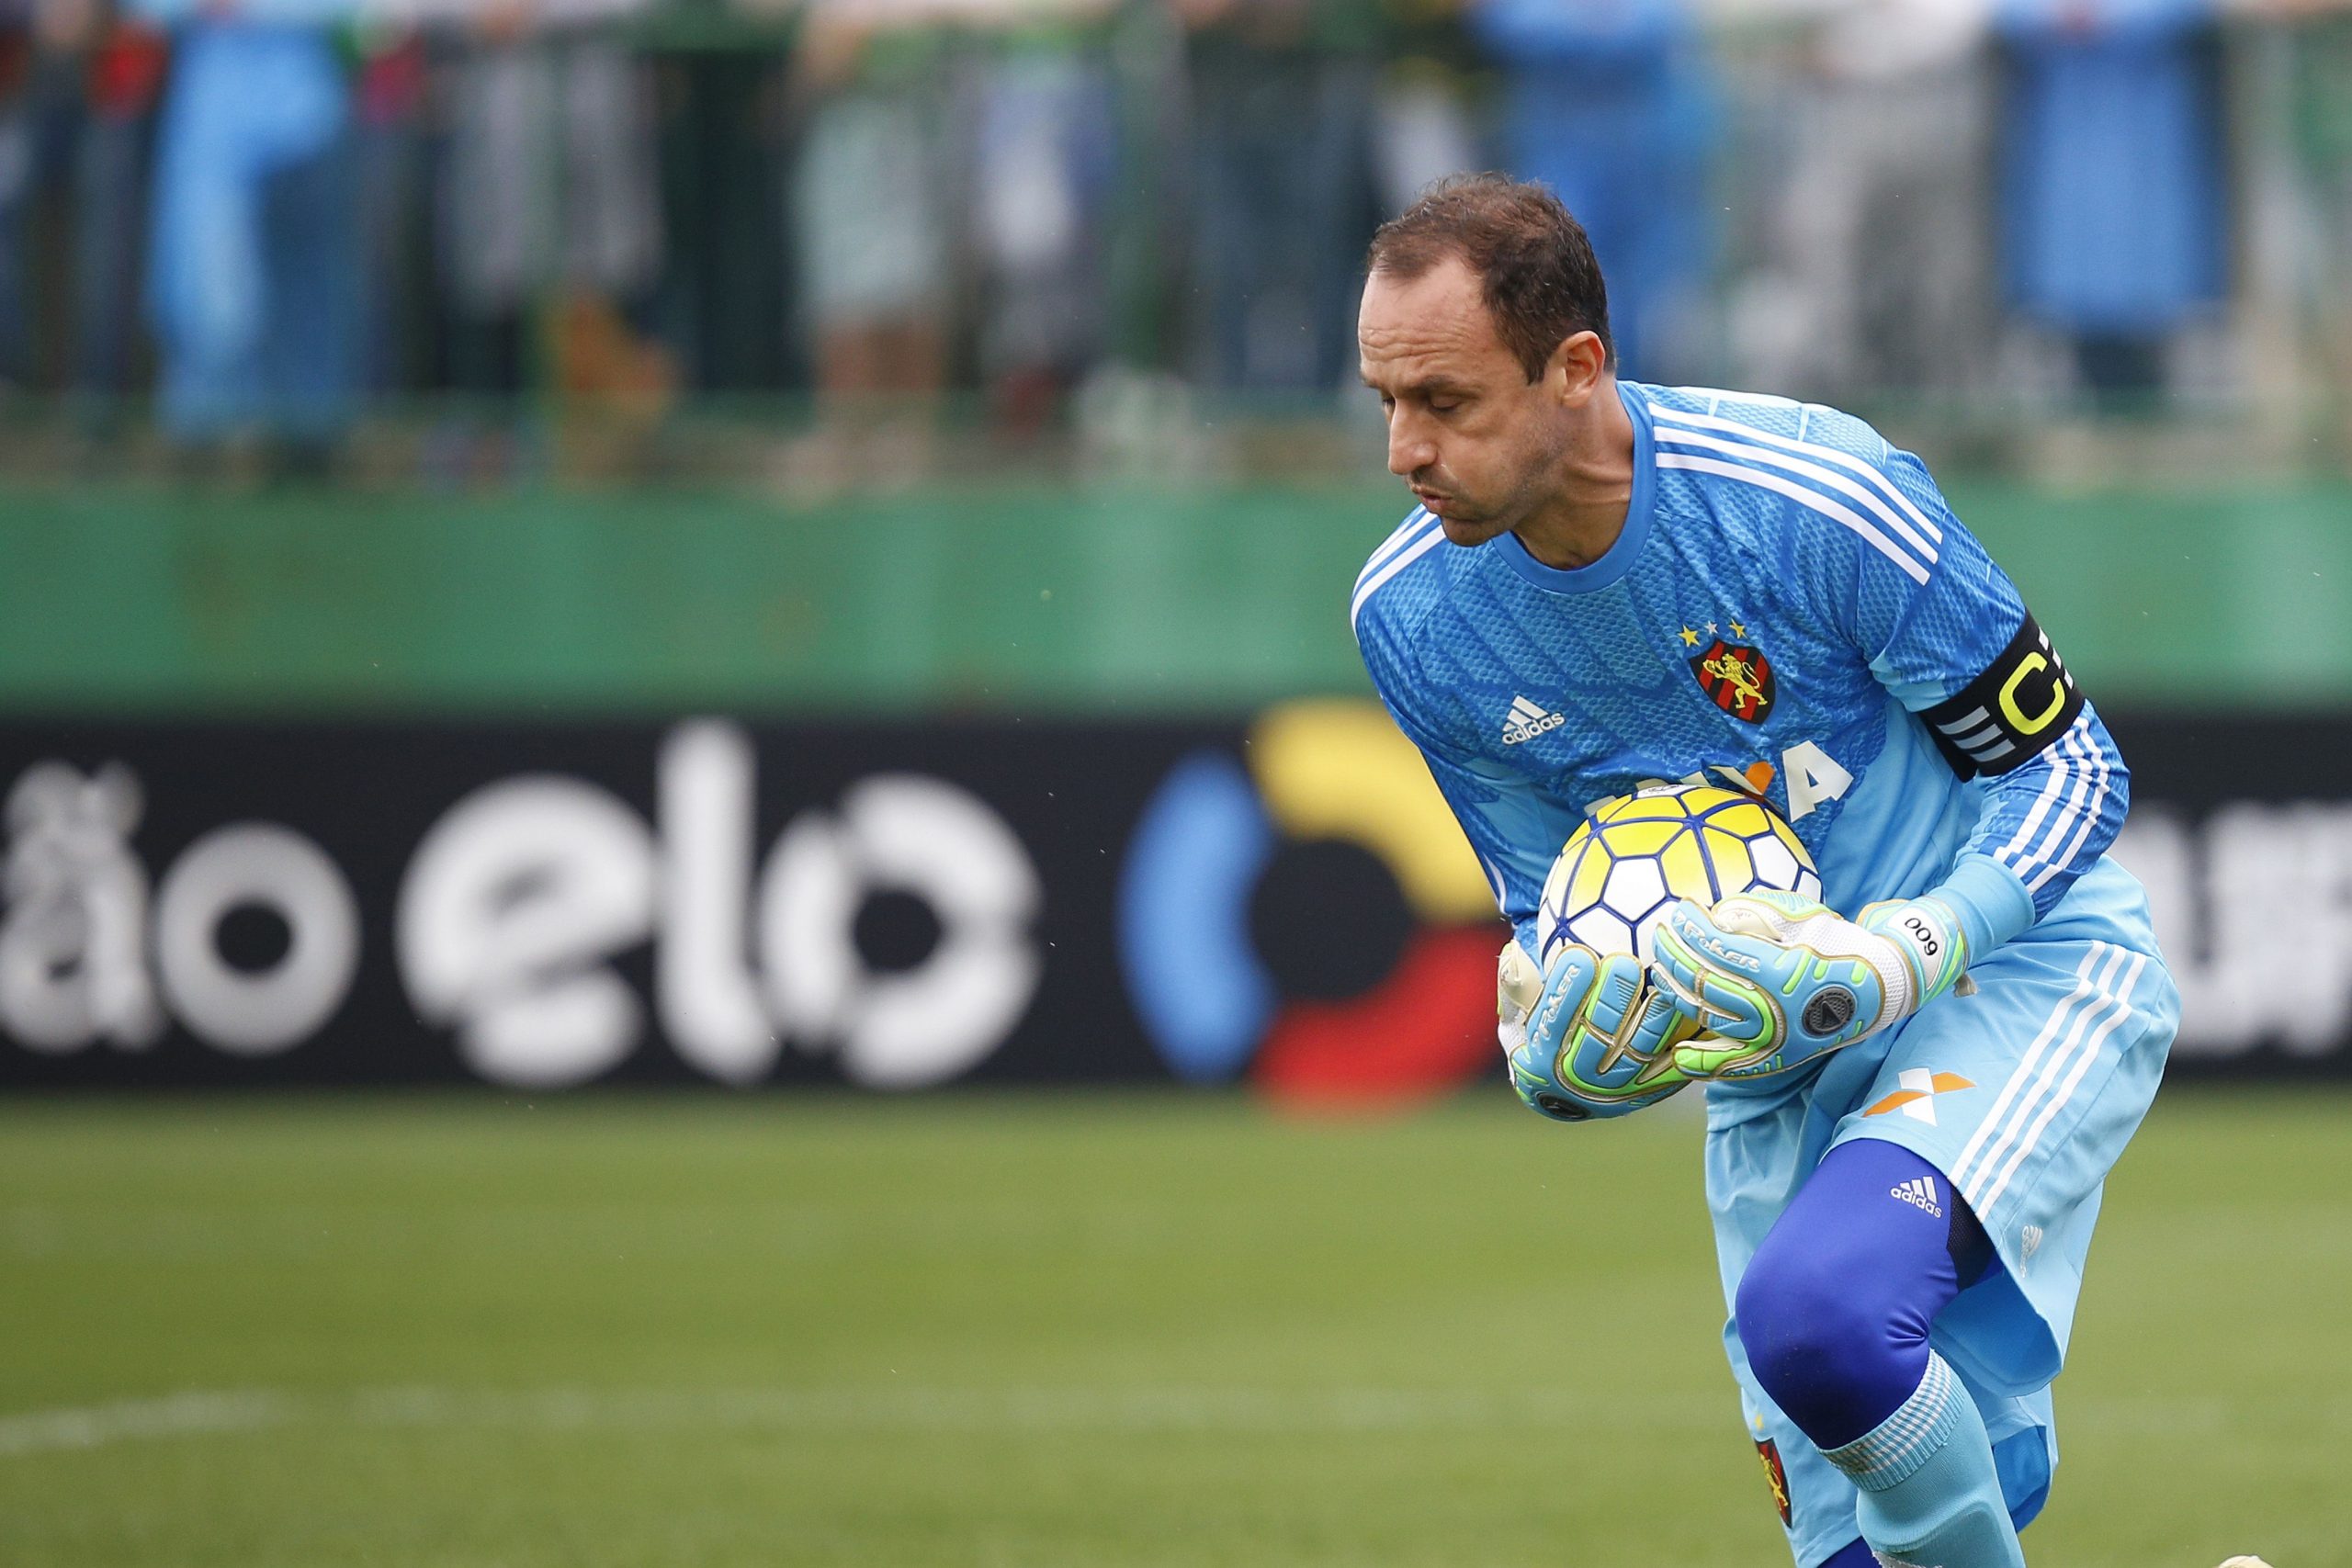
{"points": [[1812, 449], [1835, 511], [2100, 769], [1394, 542], [2086, 769], [2050, 787], [1811, 471], [1404, 558]]}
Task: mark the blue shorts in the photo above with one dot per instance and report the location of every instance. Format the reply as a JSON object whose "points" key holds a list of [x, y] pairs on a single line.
{"points": [[2024, 1094]]}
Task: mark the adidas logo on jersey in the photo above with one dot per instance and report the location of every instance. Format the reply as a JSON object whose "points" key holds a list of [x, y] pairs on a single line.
{"points": [[1527, 721], [1920, 1193]]}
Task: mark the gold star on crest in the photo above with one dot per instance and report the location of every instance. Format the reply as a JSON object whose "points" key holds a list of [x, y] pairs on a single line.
{"points": [[1738, 630], [1689, 637]]}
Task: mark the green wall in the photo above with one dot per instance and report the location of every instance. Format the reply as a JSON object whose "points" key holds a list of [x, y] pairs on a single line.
{"points": [[128, 600]]}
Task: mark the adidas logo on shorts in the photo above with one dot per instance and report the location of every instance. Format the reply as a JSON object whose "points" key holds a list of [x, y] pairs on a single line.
{"points": [[1920, 1193]]}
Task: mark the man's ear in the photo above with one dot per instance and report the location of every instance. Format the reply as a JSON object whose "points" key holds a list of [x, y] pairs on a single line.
{"points": [[1576, 367]]}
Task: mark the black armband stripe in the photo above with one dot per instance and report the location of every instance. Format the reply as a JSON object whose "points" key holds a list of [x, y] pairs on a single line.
{"points": [[2022, 703]]}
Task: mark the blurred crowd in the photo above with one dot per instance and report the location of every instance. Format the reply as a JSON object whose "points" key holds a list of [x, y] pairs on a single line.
{"points": [[276, 215]]}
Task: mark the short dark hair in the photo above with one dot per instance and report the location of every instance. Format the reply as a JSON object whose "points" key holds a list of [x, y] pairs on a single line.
{"points": [[1536, 271]]}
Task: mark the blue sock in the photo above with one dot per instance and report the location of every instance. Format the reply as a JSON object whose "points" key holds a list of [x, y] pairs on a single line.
{"points": [[1929, 1494]]}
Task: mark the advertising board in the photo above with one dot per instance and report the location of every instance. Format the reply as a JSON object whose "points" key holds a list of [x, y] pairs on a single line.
{"points": [[1280, 899]]}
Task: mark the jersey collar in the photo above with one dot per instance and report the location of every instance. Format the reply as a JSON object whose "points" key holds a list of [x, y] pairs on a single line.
{"points": [[1618, 559]]}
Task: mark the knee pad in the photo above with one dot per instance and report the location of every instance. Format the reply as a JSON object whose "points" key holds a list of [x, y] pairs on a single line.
{"points": [[1818, 1336], [1835, 1308]]}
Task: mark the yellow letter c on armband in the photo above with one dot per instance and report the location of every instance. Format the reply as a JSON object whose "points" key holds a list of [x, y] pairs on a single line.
{"points": [[2009, 710]]}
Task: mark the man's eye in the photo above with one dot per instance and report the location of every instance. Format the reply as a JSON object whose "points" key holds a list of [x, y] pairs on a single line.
{"points": [[1442, 406]]}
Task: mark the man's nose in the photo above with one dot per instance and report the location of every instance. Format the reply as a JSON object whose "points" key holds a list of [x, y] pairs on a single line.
{"points": [[1409, 447]]}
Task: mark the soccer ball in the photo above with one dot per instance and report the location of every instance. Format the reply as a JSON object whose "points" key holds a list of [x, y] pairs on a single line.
{"points": [[1636, 855]]}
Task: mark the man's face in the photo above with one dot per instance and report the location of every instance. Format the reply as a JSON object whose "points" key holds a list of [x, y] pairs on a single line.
{"points": [[1476, 441]]}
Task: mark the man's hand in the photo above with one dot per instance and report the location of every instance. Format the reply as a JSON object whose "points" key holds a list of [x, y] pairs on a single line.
{"points": [[1586, 1038], [1776, 979]]}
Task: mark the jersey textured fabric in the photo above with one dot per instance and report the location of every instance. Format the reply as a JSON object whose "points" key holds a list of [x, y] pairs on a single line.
{"points": [[1816, 572]]}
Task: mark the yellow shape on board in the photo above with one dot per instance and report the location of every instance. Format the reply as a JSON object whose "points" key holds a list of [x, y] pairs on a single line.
{"points": [[1337, 768]]}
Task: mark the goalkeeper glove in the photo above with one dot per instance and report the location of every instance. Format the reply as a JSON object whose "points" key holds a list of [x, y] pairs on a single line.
{"points": [[1586, 1038], [1776, 979]]}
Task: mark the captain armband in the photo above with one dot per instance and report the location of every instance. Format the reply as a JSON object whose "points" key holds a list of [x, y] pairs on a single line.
{"points": [[2023, 703]]}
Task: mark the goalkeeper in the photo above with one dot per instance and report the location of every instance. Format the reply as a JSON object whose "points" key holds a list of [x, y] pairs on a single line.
{"points": [[1910, 1113]]}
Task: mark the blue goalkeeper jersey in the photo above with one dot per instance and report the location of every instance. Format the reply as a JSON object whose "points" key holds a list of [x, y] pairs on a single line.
{"points": [[1791, 609]]}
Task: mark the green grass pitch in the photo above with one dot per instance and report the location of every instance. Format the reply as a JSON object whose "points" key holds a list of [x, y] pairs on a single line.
{"points": [[1018, 1332]]}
